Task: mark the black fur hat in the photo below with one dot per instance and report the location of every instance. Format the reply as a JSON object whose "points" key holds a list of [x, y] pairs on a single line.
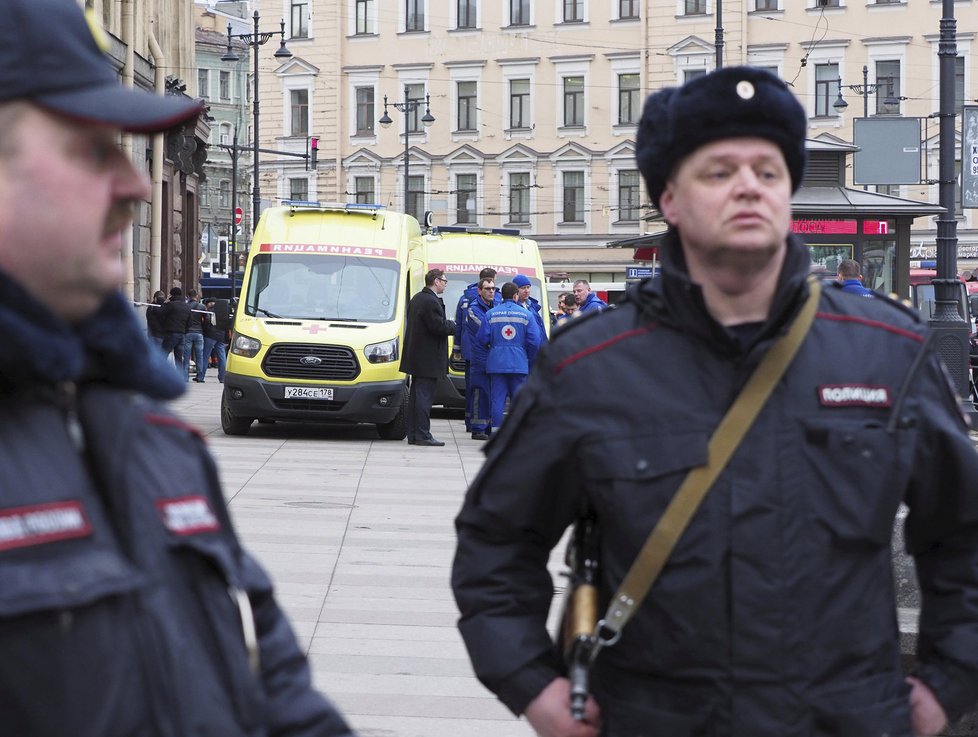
{"points": [[731, 102]]}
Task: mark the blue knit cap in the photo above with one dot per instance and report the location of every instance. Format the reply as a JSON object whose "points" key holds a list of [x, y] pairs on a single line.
{"points": [[521, 281], [732, 102]]}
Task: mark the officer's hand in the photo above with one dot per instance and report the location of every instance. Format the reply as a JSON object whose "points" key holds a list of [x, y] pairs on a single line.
{"points": [[926, 713], [549, 713]]}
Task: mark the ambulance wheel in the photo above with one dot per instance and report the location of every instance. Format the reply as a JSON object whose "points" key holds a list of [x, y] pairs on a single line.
{"points": [[231, 423], [396, 429]]}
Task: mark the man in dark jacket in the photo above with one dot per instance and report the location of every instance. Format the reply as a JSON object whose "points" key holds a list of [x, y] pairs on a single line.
{"points": [[193, 341], [154, 319], [127, 604], [425, 354], [774, 616], [175, 316], [215, 336]]}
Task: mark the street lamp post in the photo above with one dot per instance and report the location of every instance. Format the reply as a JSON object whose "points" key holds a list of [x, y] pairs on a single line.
{"points": [[863, 89], [254, 40], [406, 107]]}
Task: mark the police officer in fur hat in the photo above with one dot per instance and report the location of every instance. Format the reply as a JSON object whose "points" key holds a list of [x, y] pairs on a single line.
{"points": [[774, 614]]}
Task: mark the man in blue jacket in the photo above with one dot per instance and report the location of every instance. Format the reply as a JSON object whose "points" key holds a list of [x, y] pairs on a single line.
{"points": [[523, 298], [477, 385], [511, 335], [587, 301], [848, 273], [462, 340], [127, 603]]}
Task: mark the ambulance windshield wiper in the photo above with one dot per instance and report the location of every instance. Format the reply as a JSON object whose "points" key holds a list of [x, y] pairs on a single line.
{"points": [[266, 312]]}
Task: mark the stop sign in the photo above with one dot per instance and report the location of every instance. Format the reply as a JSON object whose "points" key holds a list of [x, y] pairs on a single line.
{"points": [[238, 215]]}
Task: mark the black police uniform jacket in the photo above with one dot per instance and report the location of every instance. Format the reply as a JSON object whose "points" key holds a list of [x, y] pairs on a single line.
{"points": [[127, 606], [775, 614], [426, 336]]}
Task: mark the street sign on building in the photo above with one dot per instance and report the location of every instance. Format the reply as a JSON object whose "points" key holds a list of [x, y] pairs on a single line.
{"points": [[640, 272]]}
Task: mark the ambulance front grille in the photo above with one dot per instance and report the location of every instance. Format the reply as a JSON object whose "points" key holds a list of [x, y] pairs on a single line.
{"points": [[297, 361]]}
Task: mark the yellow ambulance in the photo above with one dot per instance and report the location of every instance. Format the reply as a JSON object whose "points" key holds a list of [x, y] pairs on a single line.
{"points": [[319, 325], [462, 252]]}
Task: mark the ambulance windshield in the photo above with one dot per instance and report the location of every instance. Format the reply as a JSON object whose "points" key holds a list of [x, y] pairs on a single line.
{"points": [[322, 287]]}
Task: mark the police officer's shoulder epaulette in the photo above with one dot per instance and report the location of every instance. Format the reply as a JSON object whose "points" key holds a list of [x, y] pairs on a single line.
{"points": [[897, 302]]}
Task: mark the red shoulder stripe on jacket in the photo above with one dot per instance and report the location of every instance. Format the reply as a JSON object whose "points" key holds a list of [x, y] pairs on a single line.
{"points": [[872, 324], [601, 346], [168, 421]]}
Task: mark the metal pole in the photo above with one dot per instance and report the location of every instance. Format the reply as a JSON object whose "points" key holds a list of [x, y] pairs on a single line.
{"points": [[407, 164], [718, 43], [865, 91], [256, 189], [232, 235]]}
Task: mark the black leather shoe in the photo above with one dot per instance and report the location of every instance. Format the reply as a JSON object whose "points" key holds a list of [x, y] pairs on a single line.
{"points": [[412, 441], [429, 442], [479, 436], [199, 381]]}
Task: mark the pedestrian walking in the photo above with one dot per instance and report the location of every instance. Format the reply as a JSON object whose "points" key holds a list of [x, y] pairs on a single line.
{"points": [[127, 604], [511, 337], [215, 338], [425, 355], [752, 435]]}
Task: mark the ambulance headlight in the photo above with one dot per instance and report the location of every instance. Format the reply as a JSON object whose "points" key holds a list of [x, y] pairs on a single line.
{"points": [[382, 352], [242, 345]]}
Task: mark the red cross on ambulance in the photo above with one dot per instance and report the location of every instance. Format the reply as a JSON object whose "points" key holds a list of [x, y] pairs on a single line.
{"points": [[509, 332]]}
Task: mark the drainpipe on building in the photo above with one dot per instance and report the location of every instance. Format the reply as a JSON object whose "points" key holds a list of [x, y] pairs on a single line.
{"points": [[128, 80], [156, 216]]}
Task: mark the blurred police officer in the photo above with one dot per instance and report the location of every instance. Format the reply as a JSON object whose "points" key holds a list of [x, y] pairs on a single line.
{"points": [[775, 614], [127, 605]]}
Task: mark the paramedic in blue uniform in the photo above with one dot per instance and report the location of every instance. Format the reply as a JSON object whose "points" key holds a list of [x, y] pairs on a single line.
{"points": [[478, 382], [511, 335], [462, 340], [523, 298], [775, 614], [127, 604]]}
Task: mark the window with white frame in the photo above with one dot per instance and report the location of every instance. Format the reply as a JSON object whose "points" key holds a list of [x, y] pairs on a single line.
{"points": [[465, 191], [519, 103], [224, 85], [629, 195], [466, 105], [573, 102], [766, 5], [628, 98], [465, 14], [415, 95], [363, 190], [826, 89], [204, 83], [573, 11], [691, 74], [519, 12], [365, 18], [299, 18], [414, 11], [694, 7], [415, 193], [299, 113], [298, 188], [225, 133], [224, 193], [573, 196], [888, 87], [365, 111], [519, 197], [628, 9]]}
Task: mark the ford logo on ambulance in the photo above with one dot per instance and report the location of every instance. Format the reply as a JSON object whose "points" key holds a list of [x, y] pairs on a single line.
{"points": [[310, 360]]}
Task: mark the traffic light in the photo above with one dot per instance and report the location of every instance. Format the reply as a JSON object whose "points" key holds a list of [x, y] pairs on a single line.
{"points": [[313, 152]]}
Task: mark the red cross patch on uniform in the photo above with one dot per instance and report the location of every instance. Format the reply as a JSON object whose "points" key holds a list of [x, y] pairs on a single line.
{"points": [[188, 515], [508, 332], [42, 523]]}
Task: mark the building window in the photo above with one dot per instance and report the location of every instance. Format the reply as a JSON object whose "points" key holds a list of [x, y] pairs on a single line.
{"points": [[299, 106], [364, 17], [887, 86], [573, 197], [627, 9], [695, 7], [519, 197], [691, 74], [766, 5], [466, 14], [414, 15], [415, 93], [958, 84], [299, 189], [225, 133], [573, 11], [827, 3], [465, 198], [629, 192], [205, 197], [364, 190], [300, 18], [628, 98], [415, 194], [519, 103], [204, 83], [225, 193], [466, 106], [826, 89], [573, 101], [365, 110], [519, 12], [224, 84]]}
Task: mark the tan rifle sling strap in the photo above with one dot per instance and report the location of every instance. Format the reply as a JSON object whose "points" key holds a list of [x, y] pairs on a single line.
{"points": [[724, 442]]}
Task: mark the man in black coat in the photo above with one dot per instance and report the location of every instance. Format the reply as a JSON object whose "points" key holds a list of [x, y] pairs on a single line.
{"points": [[425, 354]]}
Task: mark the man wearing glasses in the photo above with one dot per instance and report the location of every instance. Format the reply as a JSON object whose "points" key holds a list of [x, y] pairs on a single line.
{"points": [[425, 354], [477, 385]]}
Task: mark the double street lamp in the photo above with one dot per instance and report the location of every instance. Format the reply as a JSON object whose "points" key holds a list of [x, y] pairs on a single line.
{"points": [[407, 107], [863, 89], [254, 39]]}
